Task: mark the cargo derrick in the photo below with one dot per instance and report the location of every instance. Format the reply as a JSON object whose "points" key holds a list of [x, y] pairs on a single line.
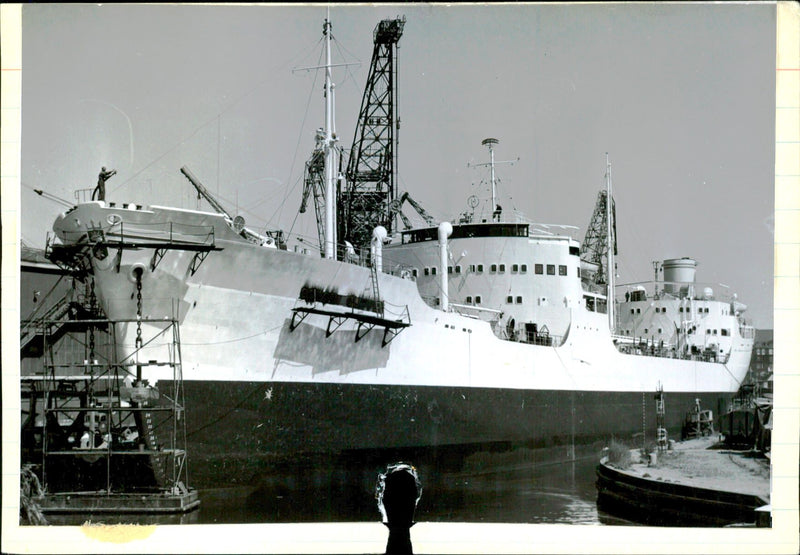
{"points": [[363, 202], [314, 184]]}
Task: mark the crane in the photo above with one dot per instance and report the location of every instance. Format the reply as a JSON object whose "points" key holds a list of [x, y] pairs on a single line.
{"points": [[236, 223], [396, 207], [595, 246], [370, 187], [314, 184]]}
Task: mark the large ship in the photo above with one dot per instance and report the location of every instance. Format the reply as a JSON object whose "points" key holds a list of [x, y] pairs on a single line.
{"points": [[452, 335]]}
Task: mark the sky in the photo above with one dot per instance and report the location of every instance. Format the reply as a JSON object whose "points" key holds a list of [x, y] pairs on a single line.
{"points": [[681, 96]]}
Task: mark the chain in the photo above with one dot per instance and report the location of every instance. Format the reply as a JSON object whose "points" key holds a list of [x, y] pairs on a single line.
{"points": [[91, 342], [138, 310], [92, 301], [92, 296]]}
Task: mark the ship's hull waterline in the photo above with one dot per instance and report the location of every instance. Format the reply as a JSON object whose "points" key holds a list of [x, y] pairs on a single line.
{"points": [[241, 432], [305, 385]]}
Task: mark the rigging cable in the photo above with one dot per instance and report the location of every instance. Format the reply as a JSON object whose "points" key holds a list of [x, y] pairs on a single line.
{"points": [[203, 125]]}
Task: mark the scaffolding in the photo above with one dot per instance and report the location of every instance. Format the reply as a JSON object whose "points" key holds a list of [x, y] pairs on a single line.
{"points": [[103, 438], [661, 428]]}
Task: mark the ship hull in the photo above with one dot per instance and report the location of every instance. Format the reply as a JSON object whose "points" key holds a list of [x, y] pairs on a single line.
{"points": [[240, 432], [266, 384]]}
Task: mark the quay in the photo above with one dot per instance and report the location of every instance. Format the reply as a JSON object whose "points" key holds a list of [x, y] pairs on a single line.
{"points": [[696, 483]]}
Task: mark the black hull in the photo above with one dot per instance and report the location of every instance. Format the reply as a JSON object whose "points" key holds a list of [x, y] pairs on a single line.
{"points": [[240, 432]]}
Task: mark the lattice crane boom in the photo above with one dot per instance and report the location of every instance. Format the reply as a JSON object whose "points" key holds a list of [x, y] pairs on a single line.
{"points": [[594, 248], [363, 203]]}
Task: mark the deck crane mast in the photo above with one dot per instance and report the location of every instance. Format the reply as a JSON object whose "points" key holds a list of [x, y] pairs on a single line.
{"points": [[314, 184], [363, 200]]}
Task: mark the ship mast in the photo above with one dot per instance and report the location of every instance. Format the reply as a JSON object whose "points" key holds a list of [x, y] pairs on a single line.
{"points": [[610, 277], [490, 143], [330, 149]]}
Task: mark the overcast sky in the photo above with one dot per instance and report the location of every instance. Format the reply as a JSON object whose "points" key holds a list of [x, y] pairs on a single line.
{"points": [[682, 96]]}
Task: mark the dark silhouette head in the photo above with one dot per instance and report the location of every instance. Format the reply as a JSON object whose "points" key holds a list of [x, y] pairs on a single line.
{"points": [[398, 492]]}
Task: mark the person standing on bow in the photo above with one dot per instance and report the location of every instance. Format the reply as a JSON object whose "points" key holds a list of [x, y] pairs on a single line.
{"points": [[100, 190]]}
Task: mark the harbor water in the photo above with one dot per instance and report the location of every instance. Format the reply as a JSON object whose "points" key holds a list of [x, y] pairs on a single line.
{"points": [[493, 489]]}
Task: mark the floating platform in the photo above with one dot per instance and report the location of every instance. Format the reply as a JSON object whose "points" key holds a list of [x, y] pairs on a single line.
{"points": [[693, 485], [118, 503]]}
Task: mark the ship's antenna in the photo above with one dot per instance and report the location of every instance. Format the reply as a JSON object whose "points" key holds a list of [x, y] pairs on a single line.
{"points": [[610, 278]]}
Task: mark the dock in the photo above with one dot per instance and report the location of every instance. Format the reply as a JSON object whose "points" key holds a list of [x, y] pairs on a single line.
{"points": [[696, 483]]}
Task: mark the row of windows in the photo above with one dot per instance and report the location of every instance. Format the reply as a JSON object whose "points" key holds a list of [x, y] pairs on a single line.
{"points": [[469, 299], [700, 310], [723, 332], [500, 269]]}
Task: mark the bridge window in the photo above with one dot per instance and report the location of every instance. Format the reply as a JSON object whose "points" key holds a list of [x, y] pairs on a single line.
{"points": [[414, 272], [645, 329], [477, 299], [433, 270], [539, 268], [551, 269], [562, 270], [494, 268], [480, 268], [579, 272], [632, 311], [469, 299], [509, 299], [514, 268], [659, 329], [725, 332], [502, 268], [519, 300], [426, 271], [680, 309], [458, 269], [449, 269], [638, 311]]}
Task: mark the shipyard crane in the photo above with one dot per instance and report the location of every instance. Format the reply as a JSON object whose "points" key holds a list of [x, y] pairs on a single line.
{"points": [[396, 207], [370, 187], [594, 249]]}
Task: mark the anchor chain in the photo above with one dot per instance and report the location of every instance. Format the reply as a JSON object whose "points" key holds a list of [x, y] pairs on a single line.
{"points": [[91, 343], [92, 296], [92, 304], [138, 310]]}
